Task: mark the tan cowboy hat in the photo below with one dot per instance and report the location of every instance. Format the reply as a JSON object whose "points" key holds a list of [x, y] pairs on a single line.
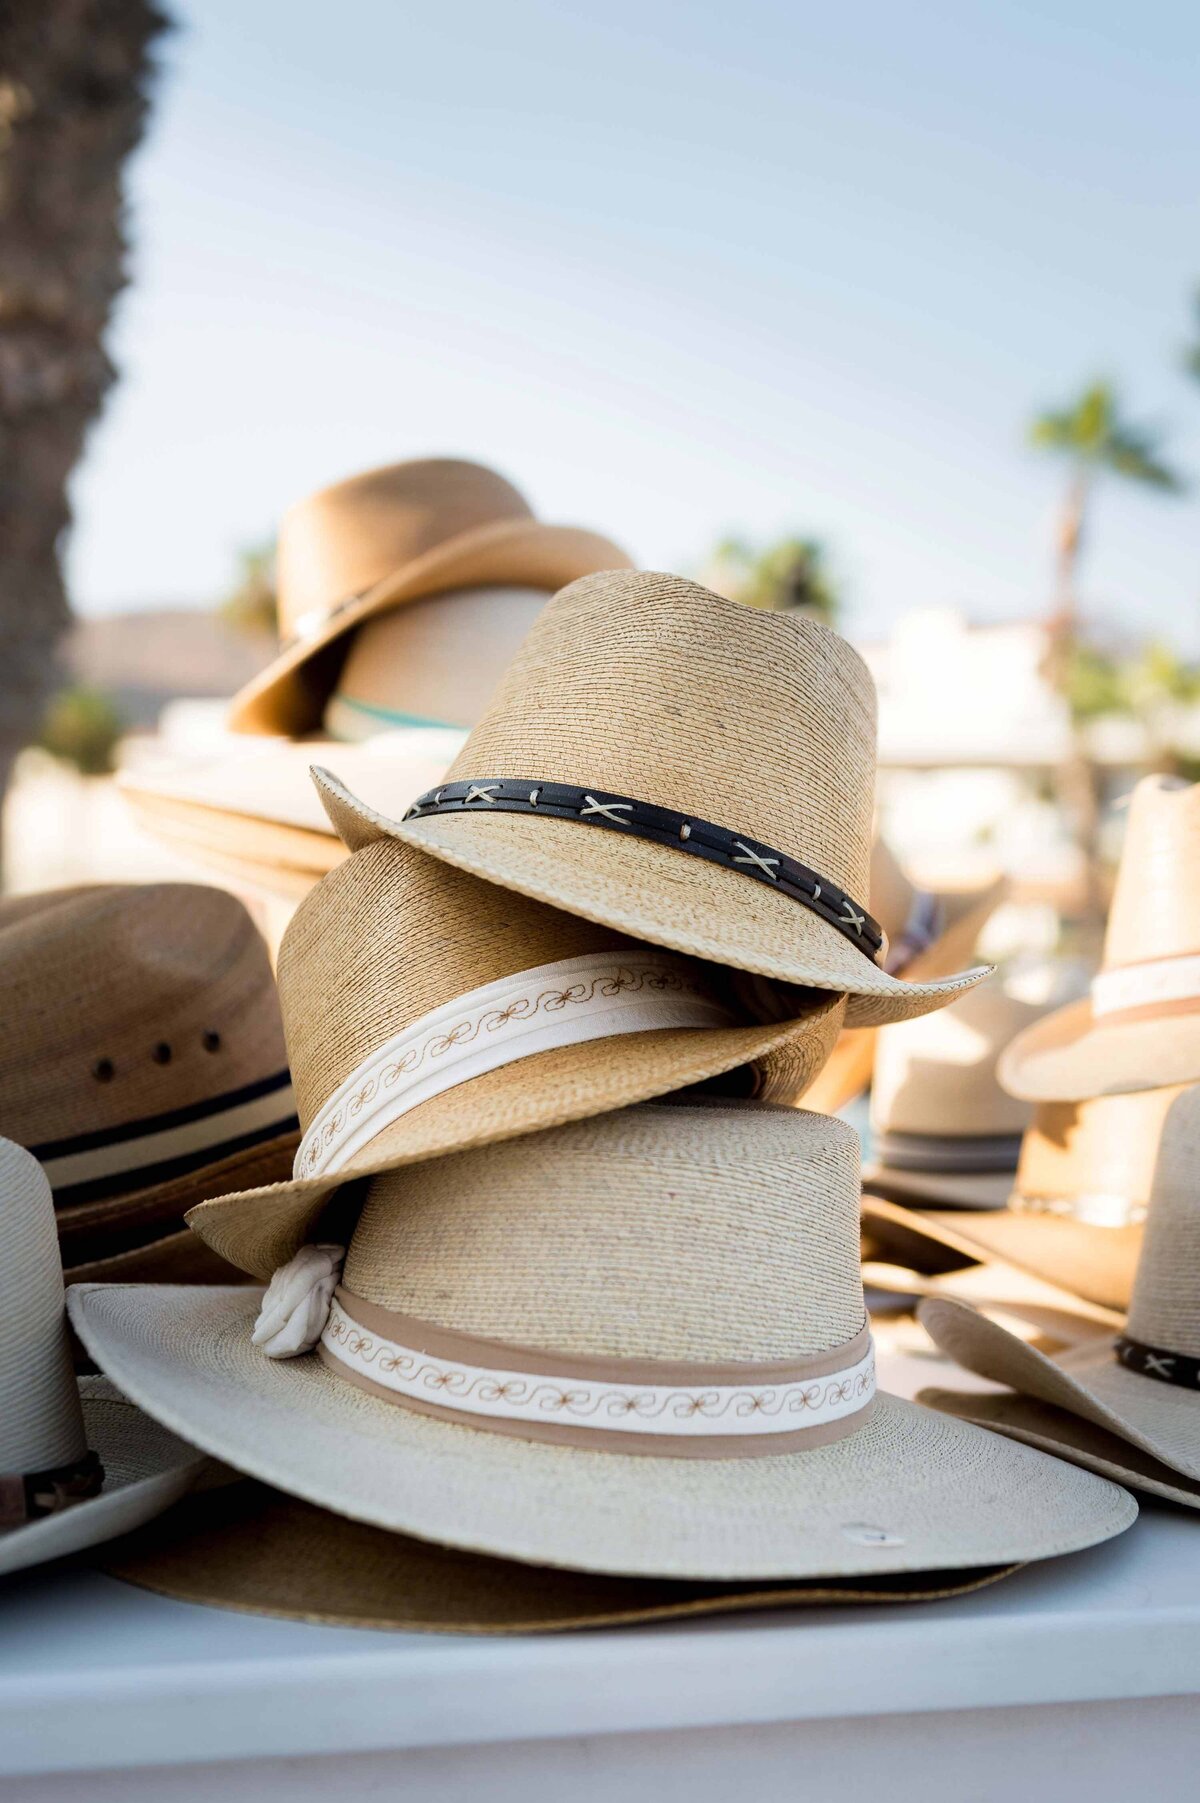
{"points": [[427, 1011], [78, 1464], [386, 538], [256, 818], [635, 1344], [250, 1548], [142, 1061], [929, 935], [1140, 1027], [1076, 1210], [1141, 1390], [729, 756], [942, 1129]]}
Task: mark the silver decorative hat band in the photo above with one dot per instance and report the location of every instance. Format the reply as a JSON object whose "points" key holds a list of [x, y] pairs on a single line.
{"points": [[595, 996], [926, 918], [1090, 1208], [601, 1404], [965, 1153], [1148, 991], [663, 826], [159, 1147]]}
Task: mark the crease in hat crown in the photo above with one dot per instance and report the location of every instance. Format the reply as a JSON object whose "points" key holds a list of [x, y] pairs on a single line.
{"points": [[43, 1447], [386, 537], [414, 995], [651, 696], [142, 1046], [1140, 1026]]}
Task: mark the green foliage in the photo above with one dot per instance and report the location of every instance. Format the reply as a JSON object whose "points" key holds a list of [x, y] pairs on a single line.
{"points": [[83, 727], [1138, 684], [792, 573], [251, 607], [1092, 435], [1191, 356]]}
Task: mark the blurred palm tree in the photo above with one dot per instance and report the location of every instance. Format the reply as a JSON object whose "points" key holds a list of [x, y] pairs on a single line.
{"points": [[791, 573], [1191, 355], [251, 605], [1094, 439], [74, 76]]}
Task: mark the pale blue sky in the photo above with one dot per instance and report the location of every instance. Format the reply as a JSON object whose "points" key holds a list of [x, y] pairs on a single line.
{"points": [[678, 269]]}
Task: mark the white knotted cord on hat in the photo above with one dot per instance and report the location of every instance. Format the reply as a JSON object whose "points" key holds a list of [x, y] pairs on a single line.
{"points": [[296, 1304]]}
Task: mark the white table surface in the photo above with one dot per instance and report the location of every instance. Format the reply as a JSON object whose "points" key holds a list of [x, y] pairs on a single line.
{"points": [[96, 1675]]}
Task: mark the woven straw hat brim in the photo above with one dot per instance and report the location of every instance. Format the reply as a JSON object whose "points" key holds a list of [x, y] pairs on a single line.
{"points": [[961, 1189], [945, 1494], [176, 1258], [848, 1072], [252, 1549], [1095, 1263], [258, 1230], [657, 894], [521, 553], [146, 1469], [1000, 1291], [1070, 1056], [1067, 1437], [1162, 1419]]}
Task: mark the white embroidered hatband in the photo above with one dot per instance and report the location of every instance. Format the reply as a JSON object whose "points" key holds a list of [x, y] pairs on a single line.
{"points": [[595, 996], [1157, 984], [714, 1409]]}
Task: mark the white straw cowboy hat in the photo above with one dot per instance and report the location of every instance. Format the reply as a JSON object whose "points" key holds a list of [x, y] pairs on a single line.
{"points": [[1140, 1027], [929, 934], [427, 1011], [384, 539], [254, 1549], [942, 1130], [78, 1464], [1141, 1391], [142, 1061], [1076, 1210], [727, 753], [635, 1344]]}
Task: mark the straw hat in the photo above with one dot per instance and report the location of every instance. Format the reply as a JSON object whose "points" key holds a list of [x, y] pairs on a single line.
{"points": [[929, 935], [255, 816], [635, 1344], [251, 1548], [78, 1463], [1076, 1210], [386, 538], [141, 1060], [427, 1011], [1143, 1388], [728, 753], [1140, 1027], [942, 1129]]}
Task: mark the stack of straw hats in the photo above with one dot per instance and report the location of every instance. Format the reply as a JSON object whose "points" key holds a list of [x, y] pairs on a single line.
{"points": [[142, 1061], [524, 1300], [401, 594], [1103, 1073]]}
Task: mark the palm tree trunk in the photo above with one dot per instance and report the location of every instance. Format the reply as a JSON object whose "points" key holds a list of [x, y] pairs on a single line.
{"points": [[1078, 780], [73, 81]]}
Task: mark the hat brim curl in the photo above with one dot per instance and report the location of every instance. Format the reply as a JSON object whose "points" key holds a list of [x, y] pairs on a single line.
{"points": [[657, 894], [926, 1492], [1071, 1056], [1161, 1419], [146, 1469]]}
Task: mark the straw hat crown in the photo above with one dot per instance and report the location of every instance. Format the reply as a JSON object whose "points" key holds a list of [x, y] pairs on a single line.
{"points": [[1165, 1307], [41, 1423], [125, 1002], [1155, 909], [664, 1232], [344, 539]]}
